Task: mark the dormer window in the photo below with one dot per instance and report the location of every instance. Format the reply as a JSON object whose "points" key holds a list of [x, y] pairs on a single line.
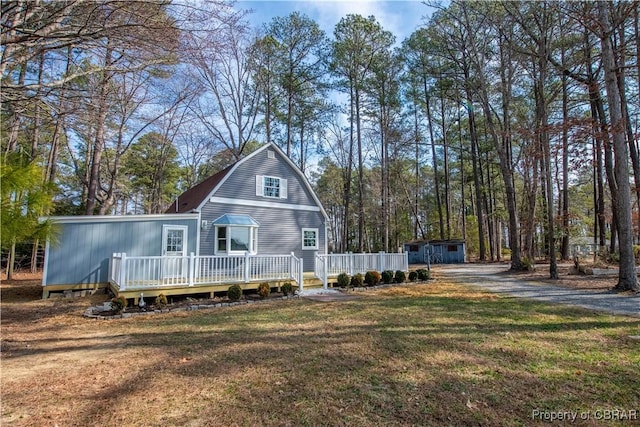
{"points": [[272, 187]]}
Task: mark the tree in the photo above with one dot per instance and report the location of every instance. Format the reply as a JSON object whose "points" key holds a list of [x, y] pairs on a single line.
{"points": [[220, 62], [24, 199], [627, 277], [300, 55], [153, 170], [358, 41]]}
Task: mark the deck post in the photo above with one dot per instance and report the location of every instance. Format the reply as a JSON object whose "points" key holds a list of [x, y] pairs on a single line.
{"points": [[192, 267], [301, 274], [350, 255], [112, 267], [123, 272], [325, 274], [246, 267]]}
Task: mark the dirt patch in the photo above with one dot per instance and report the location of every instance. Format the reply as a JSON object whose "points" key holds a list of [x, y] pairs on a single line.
{"points": [[569, 277], [331, 297]]}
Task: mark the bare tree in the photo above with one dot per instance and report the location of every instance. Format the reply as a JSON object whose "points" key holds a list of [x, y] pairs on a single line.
{"points": [[220, 62]]}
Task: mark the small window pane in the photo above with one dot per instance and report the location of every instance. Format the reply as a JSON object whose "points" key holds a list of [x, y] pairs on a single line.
{"points": [[174, 241], [271, 187], [239, 238], [222, 239], [310, 239]]}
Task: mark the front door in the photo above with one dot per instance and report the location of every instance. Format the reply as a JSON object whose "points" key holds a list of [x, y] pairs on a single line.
{"points": [[174, 251]]}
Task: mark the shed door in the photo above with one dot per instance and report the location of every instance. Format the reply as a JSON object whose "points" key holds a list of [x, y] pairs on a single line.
{"points": [[174, 250]]}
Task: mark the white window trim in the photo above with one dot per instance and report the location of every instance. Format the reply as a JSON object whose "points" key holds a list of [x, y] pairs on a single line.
{"points": [[165, 235], [282, 187], [316, 246], [253, 241]]}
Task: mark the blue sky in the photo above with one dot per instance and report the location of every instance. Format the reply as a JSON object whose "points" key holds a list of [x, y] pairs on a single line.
{"points": [[401, 17]]}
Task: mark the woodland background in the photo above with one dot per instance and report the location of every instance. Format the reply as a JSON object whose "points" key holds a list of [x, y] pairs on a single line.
{"points": [[512, 125]]}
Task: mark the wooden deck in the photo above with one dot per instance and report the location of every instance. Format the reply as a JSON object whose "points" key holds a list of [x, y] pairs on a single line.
{"points": [[210, 290]]}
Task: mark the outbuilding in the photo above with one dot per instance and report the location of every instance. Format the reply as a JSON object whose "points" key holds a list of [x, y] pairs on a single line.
{"points": [[452, 251]]}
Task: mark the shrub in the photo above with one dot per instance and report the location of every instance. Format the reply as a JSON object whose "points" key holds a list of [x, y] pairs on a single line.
{"points": [[264, 290], [423, 274], [527, 264], [161, 300], [234, 292], [118, 304], [387, 276], [286, 289], [413, 276], [357, 280], [400, 276], [372, 278], [344, 280]]}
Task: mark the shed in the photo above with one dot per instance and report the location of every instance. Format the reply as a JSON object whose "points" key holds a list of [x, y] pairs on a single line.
{"points": [[451, 251]]}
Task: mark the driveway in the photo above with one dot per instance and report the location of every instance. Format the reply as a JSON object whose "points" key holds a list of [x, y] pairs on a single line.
{"points": [[495, 278]]}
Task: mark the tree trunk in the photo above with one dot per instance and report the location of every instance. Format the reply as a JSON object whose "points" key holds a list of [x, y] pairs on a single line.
{"points": [[436, 178], [361, 218], [445, 148], [627, 278], [98, 143], [477, 181], [564, 249]]}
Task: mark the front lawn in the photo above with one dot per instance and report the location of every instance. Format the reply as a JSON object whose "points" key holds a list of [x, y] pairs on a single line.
{"points": [[433, 354]]}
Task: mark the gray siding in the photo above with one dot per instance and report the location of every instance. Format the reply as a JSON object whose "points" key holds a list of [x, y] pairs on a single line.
{"points": [[280, 231], [83, 249], [281, 222], [241, 184]]}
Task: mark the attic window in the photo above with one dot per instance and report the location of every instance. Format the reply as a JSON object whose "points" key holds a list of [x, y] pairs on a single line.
{"points": [[271, 154], [271, 187]]}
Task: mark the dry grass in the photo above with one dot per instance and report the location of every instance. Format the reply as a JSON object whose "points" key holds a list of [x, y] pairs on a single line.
{"points": [[435, 354]]}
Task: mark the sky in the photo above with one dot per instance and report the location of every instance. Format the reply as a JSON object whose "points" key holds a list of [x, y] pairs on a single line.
{"points": [[400, 17]]}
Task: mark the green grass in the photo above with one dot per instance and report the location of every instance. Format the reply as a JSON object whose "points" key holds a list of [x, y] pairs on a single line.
{"points": [[414, 355]]}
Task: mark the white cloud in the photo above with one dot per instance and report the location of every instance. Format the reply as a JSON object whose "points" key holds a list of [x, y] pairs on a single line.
{"points": [[400, 17]]}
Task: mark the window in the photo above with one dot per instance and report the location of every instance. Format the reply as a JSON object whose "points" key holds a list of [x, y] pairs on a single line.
{"points": [[310, 238], [452, 248], [236, 239], [236, 234], [174, 239], [271, 186], [222, 239]]}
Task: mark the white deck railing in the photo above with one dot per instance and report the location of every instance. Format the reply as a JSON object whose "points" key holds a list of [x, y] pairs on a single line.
{"points": [[151, 272], [331, 265]]}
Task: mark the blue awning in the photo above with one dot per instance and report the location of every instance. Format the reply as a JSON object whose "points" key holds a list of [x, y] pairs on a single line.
{"points": [[230, 219]]}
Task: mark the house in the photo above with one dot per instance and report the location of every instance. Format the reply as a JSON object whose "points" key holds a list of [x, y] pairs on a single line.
{"points": [[263, 204], [436, 251], [260, 207], [256, 221]]}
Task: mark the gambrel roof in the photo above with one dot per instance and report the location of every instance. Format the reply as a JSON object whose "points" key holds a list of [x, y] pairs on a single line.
{"points": [[197, 196]]}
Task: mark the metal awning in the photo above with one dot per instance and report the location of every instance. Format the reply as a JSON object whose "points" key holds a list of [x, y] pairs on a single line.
{"points": [[231, 219]]}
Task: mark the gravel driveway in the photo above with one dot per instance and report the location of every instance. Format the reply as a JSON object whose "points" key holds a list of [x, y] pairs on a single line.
{"points": [[495, 278]]}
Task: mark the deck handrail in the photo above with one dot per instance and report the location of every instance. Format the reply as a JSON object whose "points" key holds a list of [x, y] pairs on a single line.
{"points": [[331, 265], [140, 272]]}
